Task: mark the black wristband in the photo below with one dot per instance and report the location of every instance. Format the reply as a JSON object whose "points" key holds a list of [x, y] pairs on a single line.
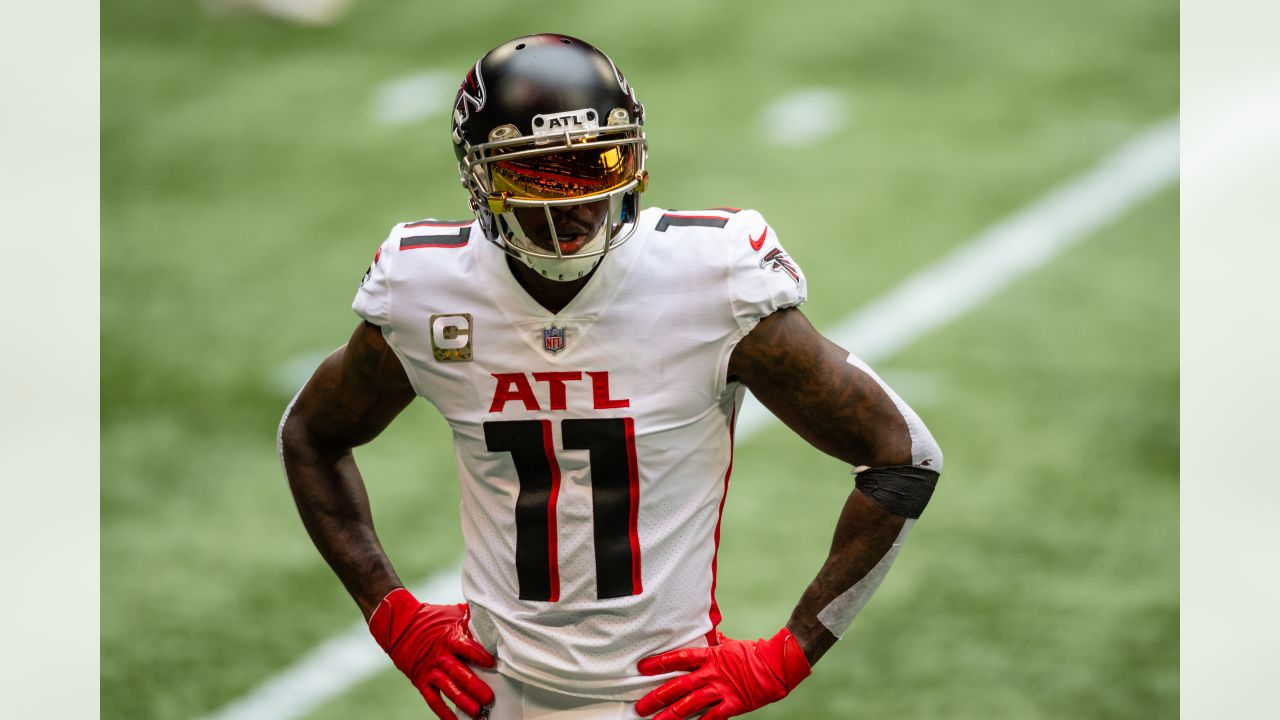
{"points": [[903, 490]]}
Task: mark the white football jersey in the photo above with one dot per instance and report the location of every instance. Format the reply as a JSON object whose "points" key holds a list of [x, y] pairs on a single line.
{"points": [[593, 445]]}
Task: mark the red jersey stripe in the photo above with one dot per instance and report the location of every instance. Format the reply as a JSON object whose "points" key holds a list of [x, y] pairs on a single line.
{"points": [[714, 612], [553, 560], [633, 522]]}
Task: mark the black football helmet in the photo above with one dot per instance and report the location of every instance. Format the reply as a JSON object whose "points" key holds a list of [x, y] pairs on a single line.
{"points": [[547, 121]]}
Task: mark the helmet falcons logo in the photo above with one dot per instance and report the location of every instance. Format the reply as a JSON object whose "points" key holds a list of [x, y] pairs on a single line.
{"points": [[626, 89], [471, 98]]}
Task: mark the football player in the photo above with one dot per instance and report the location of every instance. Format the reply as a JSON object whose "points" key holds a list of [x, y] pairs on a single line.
{"points": [[590, 357]]}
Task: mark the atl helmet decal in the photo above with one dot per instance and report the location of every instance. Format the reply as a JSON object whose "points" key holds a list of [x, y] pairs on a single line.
{"points": [[553, 123], [780, 263], [471, 96]]}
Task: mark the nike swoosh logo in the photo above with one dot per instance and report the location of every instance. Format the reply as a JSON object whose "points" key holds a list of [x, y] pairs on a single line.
{"points": [[757, 243]]}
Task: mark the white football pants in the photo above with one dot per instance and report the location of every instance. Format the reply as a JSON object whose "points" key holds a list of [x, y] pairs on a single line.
{"points": [[515, 700]]}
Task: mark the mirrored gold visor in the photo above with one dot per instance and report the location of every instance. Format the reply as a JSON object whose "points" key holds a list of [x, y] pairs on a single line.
{"points": [[573, 173]]}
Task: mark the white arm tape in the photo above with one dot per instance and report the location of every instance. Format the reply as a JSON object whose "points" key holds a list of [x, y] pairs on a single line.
{"points": [[924, 449], [840, 612], [285, 418], [280, 431], [838, 615]]}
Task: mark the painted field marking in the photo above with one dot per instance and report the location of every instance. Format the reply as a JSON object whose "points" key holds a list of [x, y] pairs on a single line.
{"points": [[296, 371], [413, 97], [333, 666], [970, 274], [804, 117], [935, 296]]}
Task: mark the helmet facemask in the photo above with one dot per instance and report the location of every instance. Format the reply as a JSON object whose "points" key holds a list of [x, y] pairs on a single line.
{"points": [[577, 191]]}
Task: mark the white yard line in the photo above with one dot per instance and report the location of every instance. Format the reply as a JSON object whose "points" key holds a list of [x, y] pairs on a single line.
{"points": [[332, 667], [973, 272], [937, 295]]}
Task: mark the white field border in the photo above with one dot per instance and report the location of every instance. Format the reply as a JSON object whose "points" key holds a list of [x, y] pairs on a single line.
{"points": [[955, 285]]}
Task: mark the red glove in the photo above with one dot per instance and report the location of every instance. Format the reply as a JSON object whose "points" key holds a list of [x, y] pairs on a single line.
{"points": [[428, 643], [732, 678]]}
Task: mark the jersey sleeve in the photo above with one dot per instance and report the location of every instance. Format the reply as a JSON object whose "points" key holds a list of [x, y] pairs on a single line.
{"points": [[763, 278], [373, 298]]}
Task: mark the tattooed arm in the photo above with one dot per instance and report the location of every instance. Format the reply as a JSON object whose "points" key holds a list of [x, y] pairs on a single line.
{"points": [[354, 394], [839, 406]]}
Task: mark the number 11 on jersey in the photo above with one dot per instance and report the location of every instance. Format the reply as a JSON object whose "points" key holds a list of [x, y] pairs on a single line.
{"points": [[615, 501]]}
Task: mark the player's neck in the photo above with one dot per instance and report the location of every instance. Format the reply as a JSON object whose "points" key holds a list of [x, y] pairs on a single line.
{"points": [[550, 294]]}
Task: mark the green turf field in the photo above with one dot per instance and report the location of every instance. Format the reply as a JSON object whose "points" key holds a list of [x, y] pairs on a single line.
{"points": [[245, 186]]}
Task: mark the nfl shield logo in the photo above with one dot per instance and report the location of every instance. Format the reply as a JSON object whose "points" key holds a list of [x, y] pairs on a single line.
{"points": [[553, 339]]}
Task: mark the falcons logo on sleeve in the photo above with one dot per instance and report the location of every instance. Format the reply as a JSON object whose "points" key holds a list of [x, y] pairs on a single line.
{"points": [[778, 261]]}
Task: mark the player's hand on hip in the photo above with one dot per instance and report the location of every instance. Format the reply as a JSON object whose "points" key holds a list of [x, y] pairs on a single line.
{"points": [[725, 680], [431, 645]]}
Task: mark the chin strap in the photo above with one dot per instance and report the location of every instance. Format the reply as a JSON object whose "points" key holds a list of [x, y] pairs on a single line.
{"points": [[562, 270]]}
